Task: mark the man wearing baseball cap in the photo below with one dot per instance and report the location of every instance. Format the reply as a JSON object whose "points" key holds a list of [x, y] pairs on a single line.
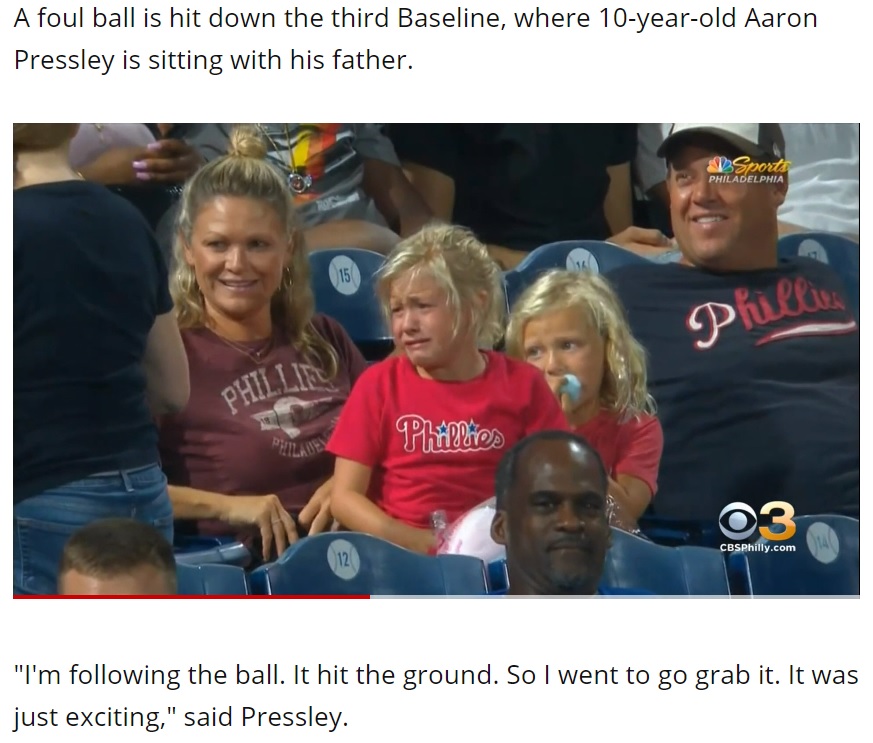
{"points": [[824, 176], [754, 361]]}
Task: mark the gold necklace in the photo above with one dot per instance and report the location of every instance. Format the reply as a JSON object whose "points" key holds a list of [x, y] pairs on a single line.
{"points": [[257, 355], [298, 182]]}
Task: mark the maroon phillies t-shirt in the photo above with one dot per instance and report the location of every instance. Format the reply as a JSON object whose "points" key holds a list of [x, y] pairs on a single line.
{"points": [[257, 426]]}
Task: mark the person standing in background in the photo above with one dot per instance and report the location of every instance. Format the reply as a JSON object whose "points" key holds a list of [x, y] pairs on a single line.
{"points": [[147, 164], [519, 186], [347, 183], [97, 355]]}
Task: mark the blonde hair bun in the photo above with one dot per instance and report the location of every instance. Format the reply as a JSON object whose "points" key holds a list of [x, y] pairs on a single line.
{"points": [[246, 141]]}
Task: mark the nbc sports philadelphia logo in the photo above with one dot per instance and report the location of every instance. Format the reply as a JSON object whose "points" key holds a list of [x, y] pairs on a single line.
{"points": [[745, 170]]}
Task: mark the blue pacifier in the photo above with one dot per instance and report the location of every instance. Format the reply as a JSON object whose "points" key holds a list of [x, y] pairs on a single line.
{"points": [[572, 387]]}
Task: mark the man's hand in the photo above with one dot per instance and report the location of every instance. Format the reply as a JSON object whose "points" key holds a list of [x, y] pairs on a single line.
{"points": [[644, 242]]}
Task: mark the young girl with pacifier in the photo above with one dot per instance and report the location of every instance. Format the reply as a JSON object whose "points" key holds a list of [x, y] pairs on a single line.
{"points": [[572, 327]]}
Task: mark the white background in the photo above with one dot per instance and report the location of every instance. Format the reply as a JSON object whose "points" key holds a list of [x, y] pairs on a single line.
{"points": [[440, 634], [580, 75]]}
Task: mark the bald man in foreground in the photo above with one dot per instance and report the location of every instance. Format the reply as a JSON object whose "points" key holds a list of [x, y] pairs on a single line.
{"points": [[551, 515]]}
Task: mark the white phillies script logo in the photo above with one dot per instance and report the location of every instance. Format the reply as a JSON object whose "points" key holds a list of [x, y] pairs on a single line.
{"points": [[449, 436], [710, 318]]}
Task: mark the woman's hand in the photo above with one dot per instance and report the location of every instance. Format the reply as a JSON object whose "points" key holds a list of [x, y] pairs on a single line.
{"points": [[168, 161], [164, 161], [266, 512], [316, 516], [114, 167]]}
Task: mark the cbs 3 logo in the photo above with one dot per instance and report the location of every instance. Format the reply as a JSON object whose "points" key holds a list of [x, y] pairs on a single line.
{"points": [[738, 521]]}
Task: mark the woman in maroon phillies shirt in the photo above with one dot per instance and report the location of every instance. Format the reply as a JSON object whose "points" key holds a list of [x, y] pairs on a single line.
{"points": [[269, 377]]}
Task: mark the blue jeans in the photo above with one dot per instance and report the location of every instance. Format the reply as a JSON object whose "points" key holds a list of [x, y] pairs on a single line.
{"points": [[42, 524]]}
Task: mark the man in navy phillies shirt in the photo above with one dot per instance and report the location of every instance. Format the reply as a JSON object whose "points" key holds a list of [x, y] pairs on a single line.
{"points": [[754, 362]]}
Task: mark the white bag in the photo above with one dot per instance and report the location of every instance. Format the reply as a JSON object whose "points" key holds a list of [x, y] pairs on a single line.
{"points": [[471, 535]]}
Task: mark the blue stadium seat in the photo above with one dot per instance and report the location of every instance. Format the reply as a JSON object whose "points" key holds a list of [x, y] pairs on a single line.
{"points": [[498, 577], [573, 255], [343, 281], [349, 563], [196, 543], [226, 553], [212, 580], [840, 253], [826, 561], [498, 583], [636, 563], [677, 533]]}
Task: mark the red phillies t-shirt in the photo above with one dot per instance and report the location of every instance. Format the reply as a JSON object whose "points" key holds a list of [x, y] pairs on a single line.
{"points": [[436, 445], [631, 448], [257, 427]]}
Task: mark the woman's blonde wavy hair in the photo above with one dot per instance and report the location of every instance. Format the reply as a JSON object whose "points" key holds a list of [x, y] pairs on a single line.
{"points": [[624, 389], [461, 265], [245, 173]]}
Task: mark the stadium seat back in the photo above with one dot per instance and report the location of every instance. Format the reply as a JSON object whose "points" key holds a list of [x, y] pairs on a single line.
{"points": [[349, 563], [680, 532], [573, 255], [825, 562], [226, 553], [637, 563], [212, 580], [840, 253], [196, 543], [343, 281], [498, 576]]}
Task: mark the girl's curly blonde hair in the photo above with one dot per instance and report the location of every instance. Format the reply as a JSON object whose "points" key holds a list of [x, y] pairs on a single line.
{"points": [[624, 390], [461, 265]]}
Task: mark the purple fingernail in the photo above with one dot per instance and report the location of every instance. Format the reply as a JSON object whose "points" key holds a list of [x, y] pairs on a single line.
{"points": [[154, 146], [144, 176], [139, 164]]}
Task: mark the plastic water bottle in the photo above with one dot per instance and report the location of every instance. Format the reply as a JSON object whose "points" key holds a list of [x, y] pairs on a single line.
{"points": [[610, 508], [439, 523]]}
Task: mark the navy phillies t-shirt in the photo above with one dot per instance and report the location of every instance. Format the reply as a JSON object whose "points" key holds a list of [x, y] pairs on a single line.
{"points": [[756, 377]]}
